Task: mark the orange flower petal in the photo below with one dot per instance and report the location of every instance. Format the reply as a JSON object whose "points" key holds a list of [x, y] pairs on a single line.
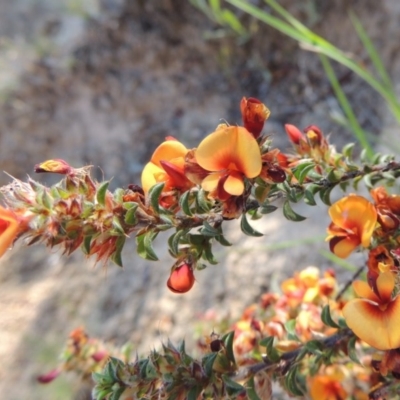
{"points": [[385, 285], [9, 225], [234, 184], [363, 290], [167, 151], [379, 328], [343, 246], [230, 148]]}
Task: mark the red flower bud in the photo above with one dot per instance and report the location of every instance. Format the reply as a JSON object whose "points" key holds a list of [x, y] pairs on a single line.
{"points": [[254, 114], [50, 376], [294, 133], [181, 279], [314, 134]]}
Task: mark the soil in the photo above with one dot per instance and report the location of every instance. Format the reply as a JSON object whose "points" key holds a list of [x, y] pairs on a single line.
{"points": [[103, 85]]}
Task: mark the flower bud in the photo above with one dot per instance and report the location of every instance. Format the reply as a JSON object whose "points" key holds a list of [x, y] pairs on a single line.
{"points": [[57, 166], [9, 227], [181, 279], [50, 376], [254, 114], [294, 133]]}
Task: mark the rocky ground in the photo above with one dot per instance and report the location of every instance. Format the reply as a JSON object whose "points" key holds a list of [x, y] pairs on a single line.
{"points": [[103, 85]]}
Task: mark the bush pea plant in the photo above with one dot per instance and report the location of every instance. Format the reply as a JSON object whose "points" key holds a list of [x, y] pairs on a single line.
{"points": [[312, 339]]}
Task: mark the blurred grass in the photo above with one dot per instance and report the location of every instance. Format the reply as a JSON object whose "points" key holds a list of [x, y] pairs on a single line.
{"points": [[308, 40]]}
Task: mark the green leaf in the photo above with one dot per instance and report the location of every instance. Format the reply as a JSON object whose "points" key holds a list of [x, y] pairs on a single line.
{"points": [[267, 209], [117, 226], [251, 390], [272, 353], [101, 193], [201, 201], [247, 229], [223, 241], [228, 342], [327, 319], [117, 393], [309, 198], [194, 393], [261, 192], [351, 350], [208, 230], [130, 215], [208, 255], [173, 241], [185, 204], [87, 240], [290, 327], [301, 171], [314, 347], [325, 194], [290, 214], [232, 388], [118, 195], [348, 150], [116, 257], [208, 362], [292, 382], [154, 196], [145, 245]]}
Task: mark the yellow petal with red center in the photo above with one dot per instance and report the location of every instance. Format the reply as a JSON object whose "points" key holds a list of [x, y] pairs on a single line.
{"points": [[151, 175], [210, 182], [232, 148], [9, 226], [363, 290], [379, 328], [344, 246], [167, 151], [355, 214], [234, 184], [385, 284]]}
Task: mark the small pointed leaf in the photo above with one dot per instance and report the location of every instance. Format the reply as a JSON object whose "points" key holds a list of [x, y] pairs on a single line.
{"points": [[290, 214], [247, 229]]}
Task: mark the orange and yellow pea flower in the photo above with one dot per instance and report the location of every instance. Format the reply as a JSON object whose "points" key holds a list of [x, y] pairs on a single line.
{"points": [[375, 317], [353, 222], [167, 165], [9, 228], [230, 154], [329, 385]]}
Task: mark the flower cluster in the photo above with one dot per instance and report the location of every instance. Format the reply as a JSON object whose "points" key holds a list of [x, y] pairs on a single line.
{"points": [[235, 173]]}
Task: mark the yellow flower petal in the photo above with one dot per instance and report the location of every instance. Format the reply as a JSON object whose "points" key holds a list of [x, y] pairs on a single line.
{"points": [[379, 328], [234, 184], [210, 182], [151, 175], [167, 151], [230, 148]]}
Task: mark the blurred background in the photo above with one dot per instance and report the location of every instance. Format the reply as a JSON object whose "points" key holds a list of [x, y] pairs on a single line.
{"points": [[102, 82]]}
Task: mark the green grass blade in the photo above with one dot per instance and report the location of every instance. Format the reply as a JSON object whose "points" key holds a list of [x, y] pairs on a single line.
{"points": [[313, 42], [339, 261], [372, 52], [346, 107]]}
